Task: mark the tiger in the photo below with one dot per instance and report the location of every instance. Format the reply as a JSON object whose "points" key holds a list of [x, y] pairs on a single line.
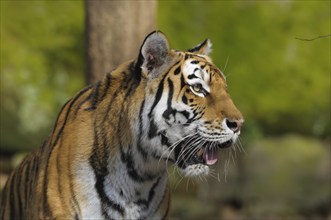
{"points": [[111, 144]]}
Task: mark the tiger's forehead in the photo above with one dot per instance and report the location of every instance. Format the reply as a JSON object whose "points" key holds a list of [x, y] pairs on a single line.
{"points": [[199, 66], [194, 70]]}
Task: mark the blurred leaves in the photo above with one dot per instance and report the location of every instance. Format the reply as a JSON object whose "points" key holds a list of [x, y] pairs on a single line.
{"points": [[41, 67]]}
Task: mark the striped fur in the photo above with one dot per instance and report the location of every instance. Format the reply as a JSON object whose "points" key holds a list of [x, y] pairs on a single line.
{"points": [[108, 153]]}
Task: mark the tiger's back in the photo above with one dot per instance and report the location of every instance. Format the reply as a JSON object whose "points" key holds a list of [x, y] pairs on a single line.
{"points": [[108, 153], [43, 180]]}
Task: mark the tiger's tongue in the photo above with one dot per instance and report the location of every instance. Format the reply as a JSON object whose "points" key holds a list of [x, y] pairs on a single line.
{"points": [[210, 156]]}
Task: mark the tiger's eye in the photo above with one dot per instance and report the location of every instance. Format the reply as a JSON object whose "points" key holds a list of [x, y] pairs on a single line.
{"points": [[197, 88]]}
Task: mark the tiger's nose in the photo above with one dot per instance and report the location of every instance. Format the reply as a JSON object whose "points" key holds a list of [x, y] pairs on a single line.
{"points": [[234, 124]]}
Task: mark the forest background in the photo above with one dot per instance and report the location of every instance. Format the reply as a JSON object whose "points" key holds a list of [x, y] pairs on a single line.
{"points": [[279, 82]]}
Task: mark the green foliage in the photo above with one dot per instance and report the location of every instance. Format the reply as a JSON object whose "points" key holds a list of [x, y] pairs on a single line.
{"points": [[280, 83], [41, 67]]}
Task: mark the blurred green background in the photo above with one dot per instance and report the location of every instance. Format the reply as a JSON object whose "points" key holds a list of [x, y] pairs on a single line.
{"points": [[281, 85]]}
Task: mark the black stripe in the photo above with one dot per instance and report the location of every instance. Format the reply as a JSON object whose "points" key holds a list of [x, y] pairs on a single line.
{"points": [[146, 202], [198, 47], [137, 67], [140, 149], [177, 70], [152, 132], [27, 183], [18, 188], [44, 144], [18, 191], [121, 87], [169, 110], [59, 170], [152, 191], [34, 172], [171, 93], [187, 56], [106, 86], [31, 177], [13, 197], [184, 99], [44, 202], [185, 113], [192, 76], [99, 166], [157, 97], [194, 62], [196, 69], [89, 97], [106, 202], [164, 140], [126, 158], [95, 97]]}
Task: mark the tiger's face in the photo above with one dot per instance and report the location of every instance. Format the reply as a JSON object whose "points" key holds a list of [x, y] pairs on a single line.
{"points": [[192, 115]]}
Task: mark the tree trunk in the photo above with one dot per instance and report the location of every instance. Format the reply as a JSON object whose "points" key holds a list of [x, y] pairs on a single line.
{"points": [[114, 31]]}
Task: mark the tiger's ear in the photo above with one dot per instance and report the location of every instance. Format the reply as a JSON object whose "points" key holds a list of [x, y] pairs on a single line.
{"points": [[204, 48], [153, 53]]}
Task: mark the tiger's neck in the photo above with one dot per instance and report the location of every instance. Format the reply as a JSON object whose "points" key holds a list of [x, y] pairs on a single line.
{"points": [[122, 164], [118, 124]]}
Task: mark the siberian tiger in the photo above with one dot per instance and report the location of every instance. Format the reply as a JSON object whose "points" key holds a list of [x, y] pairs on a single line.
{"points": [[108, 153]]}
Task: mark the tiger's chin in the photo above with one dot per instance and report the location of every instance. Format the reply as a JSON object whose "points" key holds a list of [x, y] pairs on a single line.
{"points": [[195, 170]]}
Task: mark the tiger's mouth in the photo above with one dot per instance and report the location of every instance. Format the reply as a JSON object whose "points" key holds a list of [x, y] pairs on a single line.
{"points": [[207, 154]]}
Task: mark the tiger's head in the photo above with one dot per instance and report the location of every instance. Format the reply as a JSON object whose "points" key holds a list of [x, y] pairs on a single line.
{"points": [[188, 112]]}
